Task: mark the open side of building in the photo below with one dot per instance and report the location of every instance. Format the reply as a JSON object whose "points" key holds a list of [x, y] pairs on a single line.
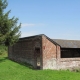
{"points": [[45, 53]]}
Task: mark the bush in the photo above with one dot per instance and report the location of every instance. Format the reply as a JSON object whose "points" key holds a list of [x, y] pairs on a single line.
{"points": [[3, 49], [1, 52]]}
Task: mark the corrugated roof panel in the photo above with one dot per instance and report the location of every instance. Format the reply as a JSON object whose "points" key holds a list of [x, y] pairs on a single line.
{"points": [[68, 43]]}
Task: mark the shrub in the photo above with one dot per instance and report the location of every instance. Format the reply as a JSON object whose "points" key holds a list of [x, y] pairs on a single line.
{"points": [[1, 52], [3, 49]]}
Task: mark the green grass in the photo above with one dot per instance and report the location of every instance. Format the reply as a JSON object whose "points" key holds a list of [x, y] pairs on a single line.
{"points": [[10, 70]]}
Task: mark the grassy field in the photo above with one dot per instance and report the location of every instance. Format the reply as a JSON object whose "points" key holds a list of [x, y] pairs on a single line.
{"points": [[10, 70]]}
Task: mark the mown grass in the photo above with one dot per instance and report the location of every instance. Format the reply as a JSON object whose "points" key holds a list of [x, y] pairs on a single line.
{"points": [[10, 70]]}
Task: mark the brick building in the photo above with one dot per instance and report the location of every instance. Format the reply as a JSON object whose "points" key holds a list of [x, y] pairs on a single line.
{"points": [[45, 53]]}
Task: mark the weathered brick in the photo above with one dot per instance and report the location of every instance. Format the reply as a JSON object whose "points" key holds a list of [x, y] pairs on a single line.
{"points": [[50, 53]]}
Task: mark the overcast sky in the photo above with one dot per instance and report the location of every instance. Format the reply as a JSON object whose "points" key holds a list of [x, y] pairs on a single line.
{"points": [[57, 19]]}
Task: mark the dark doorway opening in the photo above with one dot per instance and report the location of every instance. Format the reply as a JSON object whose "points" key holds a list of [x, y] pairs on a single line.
{"points": [[38, 60]]}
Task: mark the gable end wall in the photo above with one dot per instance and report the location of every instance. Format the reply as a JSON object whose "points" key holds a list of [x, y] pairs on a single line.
{"points": [[49, 51]]}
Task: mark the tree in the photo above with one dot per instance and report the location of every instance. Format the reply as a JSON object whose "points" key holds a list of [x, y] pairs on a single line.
{"points": [[9, 30]]}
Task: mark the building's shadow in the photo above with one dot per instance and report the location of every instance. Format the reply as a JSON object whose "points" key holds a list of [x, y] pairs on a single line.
{"points": [[26, 65], [21, 63]]}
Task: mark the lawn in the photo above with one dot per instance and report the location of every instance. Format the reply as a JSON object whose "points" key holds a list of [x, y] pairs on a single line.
{"points": [[10, 70]]}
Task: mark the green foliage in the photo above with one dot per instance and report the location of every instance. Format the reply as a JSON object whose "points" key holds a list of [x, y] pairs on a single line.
{"points": [[9, 30], [1, 52], [3, 49], [10, 70]]}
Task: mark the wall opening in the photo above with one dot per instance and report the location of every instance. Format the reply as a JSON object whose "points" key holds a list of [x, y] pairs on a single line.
{"points": [[38, 60], [70, 52]]}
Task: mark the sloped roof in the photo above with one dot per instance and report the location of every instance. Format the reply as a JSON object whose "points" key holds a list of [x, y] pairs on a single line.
{"points": [[68, 43], [60, 42]]}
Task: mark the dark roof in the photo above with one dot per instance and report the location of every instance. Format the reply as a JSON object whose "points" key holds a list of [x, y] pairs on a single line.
{"points": [[62, 43], [68, 43], [24, 38]]}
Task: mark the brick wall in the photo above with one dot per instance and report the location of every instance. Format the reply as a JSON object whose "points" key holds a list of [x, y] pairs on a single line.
{"points": [[49, 54], [68, 63], [24, 50]]}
